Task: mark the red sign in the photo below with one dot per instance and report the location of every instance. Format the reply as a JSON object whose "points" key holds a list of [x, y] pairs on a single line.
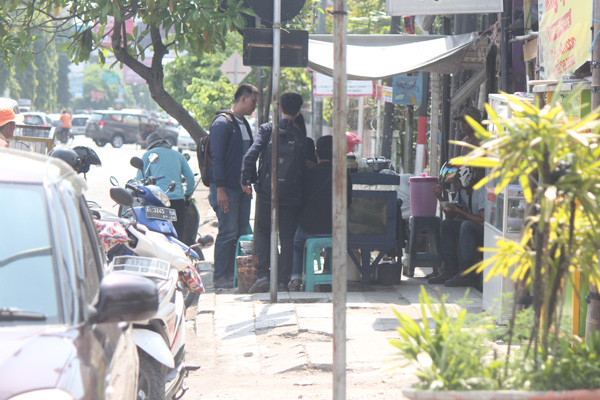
{"points": [[110, 23], [97, 95]]}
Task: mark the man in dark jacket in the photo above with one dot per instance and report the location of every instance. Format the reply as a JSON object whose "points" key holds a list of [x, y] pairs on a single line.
{"points": [[289, 203], [230, 137], [316, 213]]}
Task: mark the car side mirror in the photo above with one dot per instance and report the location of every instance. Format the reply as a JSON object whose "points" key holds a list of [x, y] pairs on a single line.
{"points": [[125, 298], [121, 196]]}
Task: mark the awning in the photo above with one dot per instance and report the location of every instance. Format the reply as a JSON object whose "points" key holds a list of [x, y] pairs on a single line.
{"points": [[370, 57]]}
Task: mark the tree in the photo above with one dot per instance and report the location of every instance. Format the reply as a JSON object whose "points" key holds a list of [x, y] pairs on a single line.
{"points": [[197, 27]]}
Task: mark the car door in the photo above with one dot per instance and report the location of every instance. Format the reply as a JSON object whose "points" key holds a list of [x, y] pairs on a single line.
{"points": [[107, 348]]}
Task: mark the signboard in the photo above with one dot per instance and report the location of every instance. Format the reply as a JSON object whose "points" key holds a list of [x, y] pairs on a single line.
{"points": [[258, 48], [110, 23], [384, 93], [97, 95], [234, 69], [76, 80], [435, 7], [323, 87], [564, 36], [111, 78], [408, 89]]}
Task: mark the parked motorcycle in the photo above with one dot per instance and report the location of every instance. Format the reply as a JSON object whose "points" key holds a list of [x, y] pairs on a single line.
{"points": [[160, 340]]}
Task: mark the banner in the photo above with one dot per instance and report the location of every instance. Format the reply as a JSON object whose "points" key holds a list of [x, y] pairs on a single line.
{"points": [[408, 89], [565, 36], [323, 87]]}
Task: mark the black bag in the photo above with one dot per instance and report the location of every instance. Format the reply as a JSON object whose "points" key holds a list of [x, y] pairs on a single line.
{"points": [[292, 160], [203, 150]]}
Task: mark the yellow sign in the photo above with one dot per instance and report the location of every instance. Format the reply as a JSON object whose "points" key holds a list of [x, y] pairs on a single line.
{"points": [[565, 36]]}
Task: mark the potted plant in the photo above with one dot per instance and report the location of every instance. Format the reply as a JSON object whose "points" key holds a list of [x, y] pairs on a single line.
{"points": [[556, 160]]}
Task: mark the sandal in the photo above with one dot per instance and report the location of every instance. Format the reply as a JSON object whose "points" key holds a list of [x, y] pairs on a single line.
{"points": [[295, 285]]}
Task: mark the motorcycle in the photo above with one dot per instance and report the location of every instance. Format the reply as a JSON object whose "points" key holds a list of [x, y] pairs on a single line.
{"points": [[160, 340], [151, 206]]}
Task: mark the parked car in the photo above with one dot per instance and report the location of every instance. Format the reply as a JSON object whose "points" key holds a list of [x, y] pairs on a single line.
{"points": [[65, 323], [79, 122], [185, 141], [120, 127]]}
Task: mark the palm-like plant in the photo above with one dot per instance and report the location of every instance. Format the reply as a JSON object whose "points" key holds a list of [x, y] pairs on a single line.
{"points": [[556, 160]]}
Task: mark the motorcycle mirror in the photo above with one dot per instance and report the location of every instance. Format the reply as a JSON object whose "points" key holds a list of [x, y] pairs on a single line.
{"points": [[186, 156], [114, 181], [137, 163], [121, 196], [171, 187], [153, 158]]}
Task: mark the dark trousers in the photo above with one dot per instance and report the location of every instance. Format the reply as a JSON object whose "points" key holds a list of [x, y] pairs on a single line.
{"points": [[460, 242], [288, 222], [179, 207]]}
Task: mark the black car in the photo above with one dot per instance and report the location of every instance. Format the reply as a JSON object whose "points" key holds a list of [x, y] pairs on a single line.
{"points": [[64, 322], [121, 127]]}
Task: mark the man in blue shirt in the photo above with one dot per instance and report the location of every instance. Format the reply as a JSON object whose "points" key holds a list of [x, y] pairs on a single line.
{"points": [[230, 137], [173, 165]]}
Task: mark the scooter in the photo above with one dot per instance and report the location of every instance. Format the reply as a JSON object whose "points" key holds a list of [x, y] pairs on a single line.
{"points": [[160, 340]]}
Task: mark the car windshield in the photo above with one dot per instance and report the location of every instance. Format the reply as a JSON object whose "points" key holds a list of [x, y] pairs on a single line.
{"points": [[28, 284]]}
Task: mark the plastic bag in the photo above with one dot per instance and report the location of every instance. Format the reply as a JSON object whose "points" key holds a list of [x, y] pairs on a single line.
{"points": [[111, 233], [191, 280]]}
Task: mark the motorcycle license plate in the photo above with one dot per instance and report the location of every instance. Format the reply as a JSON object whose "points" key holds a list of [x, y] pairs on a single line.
{"points": [[146, 266], [164, 213]]}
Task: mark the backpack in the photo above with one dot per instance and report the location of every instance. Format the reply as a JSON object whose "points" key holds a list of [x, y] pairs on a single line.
{"points": [[203, 150], [291, 163]]}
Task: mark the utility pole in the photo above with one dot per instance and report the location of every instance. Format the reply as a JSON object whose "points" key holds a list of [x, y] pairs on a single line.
{"points": [[388, 118]]}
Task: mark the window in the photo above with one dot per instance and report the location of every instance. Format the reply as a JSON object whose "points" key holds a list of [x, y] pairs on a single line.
{"points": [[131, 119]]}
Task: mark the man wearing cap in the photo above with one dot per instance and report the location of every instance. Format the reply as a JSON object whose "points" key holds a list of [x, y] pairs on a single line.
{"points": [[8, 120], [173, 165], [467, 129]]}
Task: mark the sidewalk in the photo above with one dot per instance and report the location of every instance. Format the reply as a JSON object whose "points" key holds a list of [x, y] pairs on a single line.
{"points": [[249, 349]]}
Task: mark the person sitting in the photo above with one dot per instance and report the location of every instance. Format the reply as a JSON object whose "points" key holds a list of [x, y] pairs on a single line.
{"points": [[315, 215], [8, 120], [462, 230]]}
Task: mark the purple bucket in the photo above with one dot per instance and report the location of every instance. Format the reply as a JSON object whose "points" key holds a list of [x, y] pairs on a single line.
{"points": [[422, 201]]}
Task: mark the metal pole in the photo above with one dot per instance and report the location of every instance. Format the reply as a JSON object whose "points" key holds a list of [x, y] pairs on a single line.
{"points": [[596, 57], [361, 125], [339, 223], [275, 150], [505, 46]]}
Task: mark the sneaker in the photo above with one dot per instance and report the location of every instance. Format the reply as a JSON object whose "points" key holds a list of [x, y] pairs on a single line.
{"points": [[260, 286], [223, 283], [461, 280], [295, 285], [442, 278]]}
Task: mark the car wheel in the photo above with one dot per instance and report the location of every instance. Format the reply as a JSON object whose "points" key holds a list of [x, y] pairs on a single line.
{"points": [[151, 382], [117, 141], [99, 142]]}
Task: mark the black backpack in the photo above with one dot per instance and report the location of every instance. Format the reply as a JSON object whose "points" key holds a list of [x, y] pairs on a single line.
{"points": [[292, 160], [203, 150]]}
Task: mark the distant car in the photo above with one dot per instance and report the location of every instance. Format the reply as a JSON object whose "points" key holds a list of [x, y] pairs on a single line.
{"points": [[35, 119], [121, 127], [65, 322], [8, 102], [79, 122], [185, 141]]}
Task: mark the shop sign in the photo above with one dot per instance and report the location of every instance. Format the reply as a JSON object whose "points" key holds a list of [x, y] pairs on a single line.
{"points": [[408, 89], [564, 36], [384, 93], [436, 7], [323, 87]]}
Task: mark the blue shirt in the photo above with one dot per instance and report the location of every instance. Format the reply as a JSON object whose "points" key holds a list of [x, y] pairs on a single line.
{"points": [[172, 164]]}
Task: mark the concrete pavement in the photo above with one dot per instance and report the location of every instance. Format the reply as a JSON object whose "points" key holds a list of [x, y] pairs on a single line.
{"points": [[242, 338]]}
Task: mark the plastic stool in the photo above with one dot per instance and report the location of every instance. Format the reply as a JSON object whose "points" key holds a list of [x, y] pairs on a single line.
{"points": [[417, 225], [243, 238], [312, 252]]}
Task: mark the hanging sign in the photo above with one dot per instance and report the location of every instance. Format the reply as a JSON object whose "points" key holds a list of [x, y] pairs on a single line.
{"points": [[564, 36], [408, 89], [437, 7], [323, 87], [384, 93]]}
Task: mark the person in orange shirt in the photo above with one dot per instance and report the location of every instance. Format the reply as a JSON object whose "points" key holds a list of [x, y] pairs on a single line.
{"points": [[64, 127]]}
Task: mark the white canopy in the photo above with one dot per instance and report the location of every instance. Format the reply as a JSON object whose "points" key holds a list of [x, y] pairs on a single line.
{"points": [[371, 57]]}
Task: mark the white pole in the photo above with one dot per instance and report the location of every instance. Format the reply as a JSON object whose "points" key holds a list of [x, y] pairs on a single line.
{"points": [[361, 125]]}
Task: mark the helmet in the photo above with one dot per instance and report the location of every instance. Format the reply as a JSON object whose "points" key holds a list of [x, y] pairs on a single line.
{"points": [[67, 155], [466, 175], [352, 140], [88, 157], [447, 174]]}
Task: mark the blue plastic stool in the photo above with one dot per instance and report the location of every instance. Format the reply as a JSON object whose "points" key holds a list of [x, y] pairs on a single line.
{"points": [[243, 238], [312, 253]]}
